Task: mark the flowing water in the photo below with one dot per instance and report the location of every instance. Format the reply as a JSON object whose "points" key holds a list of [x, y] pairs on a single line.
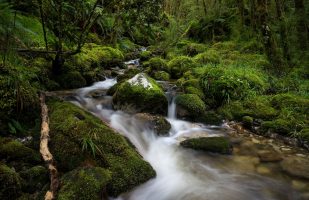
{"points": [[183, 174]]}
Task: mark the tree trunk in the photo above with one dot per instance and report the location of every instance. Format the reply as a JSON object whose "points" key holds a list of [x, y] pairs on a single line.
{"points": [[253, 17], [241, 8], [302, 30], [268, 39], [283, 30]]}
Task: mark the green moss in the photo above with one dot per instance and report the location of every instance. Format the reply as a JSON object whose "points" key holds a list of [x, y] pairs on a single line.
{"points": [[247, 121], [145, 55], [192, 49], [212, 144], [210, 56], [210, 117], [35, 178], [179, 65], [280, 126], [126, 45], [71, 80], [13, 150], [162, 75], [93, 55], [136, 98], [194, 90], [84, 184], [258, 107], [191, 103], [80, 139], [156, 64], [130, 73], [287, 100], [10, 183]]}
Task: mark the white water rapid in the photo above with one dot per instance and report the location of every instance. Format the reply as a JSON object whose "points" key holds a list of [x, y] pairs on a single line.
{"points": [[183, 174]]}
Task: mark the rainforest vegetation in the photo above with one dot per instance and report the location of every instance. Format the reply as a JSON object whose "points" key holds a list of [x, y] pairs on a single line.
{"points": [[235, 60]]}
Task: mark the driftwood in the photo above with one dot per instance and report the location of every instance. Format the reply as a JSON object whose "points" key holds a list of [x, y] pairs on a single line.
{"points": [[47, 156]]}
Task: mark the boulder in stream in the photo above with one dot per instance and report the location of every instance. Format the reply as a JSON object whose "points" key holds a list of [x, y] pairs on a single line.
{"points": [[140, 94], [211, 144], [155, 122], [79, 139], [296, 166]]}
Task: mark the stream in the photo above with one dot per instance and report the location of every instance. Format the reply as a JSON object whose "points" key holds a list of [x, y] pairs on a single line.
{"points": [[185, 174]]}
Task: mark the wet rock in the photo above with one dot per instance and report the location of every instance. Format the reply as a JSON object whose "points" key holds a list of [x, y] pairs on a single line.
{"points": [[269, 156], [211, 144], [246, 163], [296, 166], [97, 93], [140, 94], [157, 123]]}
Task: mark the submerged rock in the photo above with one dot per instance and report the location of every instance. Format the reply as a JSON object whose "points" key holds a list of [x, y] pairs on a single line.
{"points": [[212, 144], [296, 166], [140, 94], [85, 141], [154, 122]]}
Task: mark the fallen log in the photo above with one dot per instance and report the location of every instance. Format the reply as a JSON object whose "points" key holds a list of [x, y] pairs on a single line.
{"points": [[47, 156]]}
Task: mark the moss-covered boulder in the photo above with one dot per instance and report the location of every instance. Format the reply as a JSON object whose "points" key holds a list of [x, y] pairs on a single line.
{"points": [[71, 80], [247, 121], [208, 57], [161, 75], [154, 122], [211, 144], [156, 64], [35, 178], [79, 139], [179, 65], [10, 183], [84, 184], [12, 150], [189, 106], [93, 55], [140, 94]]}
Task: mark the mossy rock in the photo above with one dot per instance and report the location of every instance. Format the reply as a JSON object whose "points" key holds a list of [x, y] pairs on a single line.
{"points": [[194, 90], [156, 64], [84, 184], [257, 107], [247, 121], [210, 117], [189, 105], [80, 139], [130, 73], [281, 126], [10, 183], [192, 49], [140, 94], [145, 55], [211, 144], [208, 57], [35, 178], [93, 55], [179, 65], [12, 150], [71, 80], [154, 122], [162, 76], [288, 100]]}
